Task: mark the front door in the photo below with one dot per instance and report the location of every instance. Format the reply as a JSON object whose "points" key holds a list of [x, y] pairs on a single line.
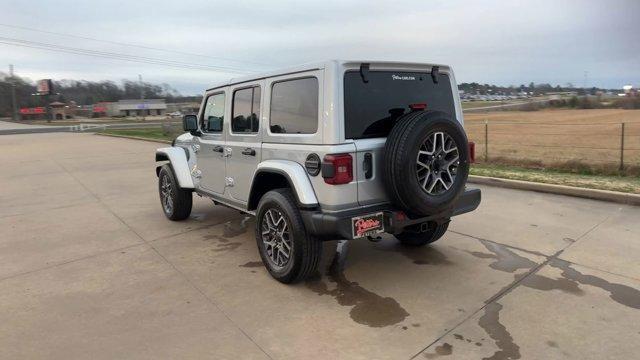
{"points": [[244, 142], [211, 158]]}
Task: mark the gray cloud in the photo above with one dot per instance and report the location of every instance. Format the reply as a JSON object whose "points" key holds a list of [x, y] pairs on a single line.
{"points": [[490, 41]]}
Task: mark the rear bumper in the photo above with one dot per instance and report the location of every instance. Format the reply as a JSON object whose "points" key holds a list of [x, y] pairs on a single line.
{"points": [[337, 225]]}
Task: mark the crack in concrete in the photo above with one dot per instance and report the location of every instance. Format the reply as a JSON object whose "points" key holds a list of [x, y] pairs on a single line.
{"points": [[172, 265]]}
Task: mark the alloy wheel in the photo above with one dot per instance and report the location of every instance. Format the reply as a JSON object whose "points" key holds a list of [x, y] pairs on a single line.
{"points": [[437, 163], [276, 238], [166, 194]]}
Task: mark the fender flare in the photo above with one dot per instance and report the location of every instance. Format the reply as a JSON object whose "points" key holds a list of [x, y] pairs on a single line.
{"points": [[178, 160], [295, 174]]}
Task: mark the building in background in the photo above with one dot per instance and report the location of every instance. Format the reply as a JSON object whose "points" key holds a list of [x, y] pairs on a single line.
{"points": [[60, 110], [183, 108], [141, 107], [34, 113]]}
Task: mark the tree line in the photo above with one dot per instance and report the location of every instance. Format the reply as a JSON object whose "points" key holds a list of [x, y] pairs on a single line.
{"points": [[83, 92], [532, 88]]}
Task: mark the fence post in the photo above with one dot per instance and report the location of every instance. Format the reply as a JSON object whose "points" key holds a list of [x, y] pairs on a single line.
{"points": [[486, 140], [622, 147]]}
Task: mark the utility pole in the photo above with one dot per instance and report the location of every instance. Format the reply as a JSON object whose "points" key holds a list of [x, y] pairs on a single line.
{"points": [[14, 104], [141, 87]]}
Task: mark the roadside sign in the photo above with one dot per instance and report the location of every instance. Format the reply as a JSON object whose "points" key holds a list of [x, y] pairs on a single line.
{"points": [[44, 87]]}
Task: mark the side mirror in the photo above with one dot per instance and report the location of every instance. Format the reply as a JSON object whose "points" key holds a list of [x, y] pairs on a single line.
{"points": [[190, 123]]}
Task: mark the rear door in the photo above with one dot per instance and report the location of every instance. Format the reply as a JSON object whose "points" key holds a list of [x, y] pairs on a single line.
{"points": [[372, 108], [244, 139]]}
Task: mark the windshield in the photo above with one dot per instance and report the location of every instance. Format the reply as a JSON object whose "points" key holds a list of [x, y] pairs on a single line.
{"points": [[371, 109]]}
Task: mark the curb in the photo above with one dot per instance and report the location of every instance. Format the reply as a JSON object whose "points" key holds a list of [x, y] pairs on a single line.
{"points": [[135, 138], [594, 194]]}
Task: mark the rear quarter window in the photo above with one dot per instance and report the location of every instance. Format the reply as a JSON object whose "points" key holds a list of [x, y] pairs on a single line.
{"points": [[294, 106]]}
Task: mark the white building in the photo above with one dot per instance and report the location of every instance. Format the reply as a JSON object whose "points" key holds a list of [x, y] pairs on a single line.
{"points": [[137, 107]]}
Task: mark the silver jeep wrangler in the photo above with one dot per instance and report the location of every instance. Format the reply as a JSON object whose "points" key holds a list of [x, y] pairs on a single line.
{"points": [[326, 151]]}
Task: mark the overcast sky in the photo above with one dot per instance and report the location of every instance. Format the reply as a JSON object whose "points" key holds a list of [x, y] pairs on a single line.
{"points": [[499, 42]]}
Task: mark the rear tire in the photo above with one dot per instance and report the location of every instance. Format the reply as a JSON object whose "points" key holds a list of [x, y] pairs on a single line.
{"points": [[287, 251], [176, 202], [415, 239]]}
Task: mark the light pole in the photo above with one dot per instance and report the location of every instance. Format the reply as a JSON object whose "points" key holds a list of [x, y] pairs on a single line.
{"points": [[14, 103]]}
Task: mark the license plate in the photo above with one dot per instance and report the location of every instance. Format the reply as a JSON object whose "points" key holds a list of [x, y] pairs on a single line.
{"points": [[367, 225]]}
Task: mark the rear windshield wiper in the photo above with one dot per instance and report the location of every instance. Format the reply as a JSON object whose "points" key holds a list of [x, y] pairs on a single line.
{"points": [[364, 72], [434, 74]]}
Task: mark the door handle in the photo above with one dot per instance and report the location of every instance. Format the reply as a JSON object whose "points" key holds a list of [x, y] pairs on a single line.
{"points": [[218, 148], [249, 151]]}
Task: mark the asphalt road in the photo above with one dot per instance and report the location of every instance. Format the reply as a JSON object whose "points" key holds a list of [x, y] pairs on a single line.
{"points": [[90, 268]]}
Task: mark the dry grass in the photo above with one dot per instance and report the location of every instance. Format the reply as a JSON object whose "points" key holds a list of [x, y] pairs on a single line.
{"points": [[629, 184], [576, 140]]}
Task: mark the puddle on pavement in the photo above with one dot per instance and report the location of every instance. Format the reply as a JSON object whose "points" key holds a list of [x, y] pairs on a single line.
{"points": [[441, 350], [237, 227], [252, 264], [622, 294], [222, 244], [427, 255], [505, 259], [490, 322], [367, 308], [508, 261], [231, 229], [540, 282]]}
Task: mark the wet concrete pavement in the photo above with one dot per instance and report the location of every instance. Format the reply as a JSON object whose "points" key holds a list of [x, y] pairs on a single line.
{"points": [[89, 267]]}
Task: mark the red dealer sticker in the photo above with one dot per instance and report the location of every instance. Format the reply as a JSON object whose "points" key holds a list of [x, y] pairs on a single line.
{"points": [[367, 225]]}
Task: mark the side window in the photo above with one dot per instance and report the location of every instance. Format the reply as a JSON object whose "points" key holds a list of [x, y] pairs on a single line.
{"points": [[294, 107], [213, 116], [246, 110]]}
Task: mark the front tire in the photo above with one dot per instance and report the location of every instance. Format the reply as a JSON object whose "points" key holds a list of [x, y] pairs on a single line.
{"points": [[176, 202], [287, 251], [434, 232]]}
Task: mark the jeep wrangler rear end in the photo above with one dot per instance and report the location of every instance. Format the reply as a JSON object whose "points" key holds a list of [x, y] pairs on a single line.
{"points": [[327, 151]]}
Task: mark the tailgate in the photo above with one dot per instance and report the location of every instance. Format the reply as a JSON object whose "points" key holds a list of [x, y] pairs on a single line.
{"points": [[368, 164]]}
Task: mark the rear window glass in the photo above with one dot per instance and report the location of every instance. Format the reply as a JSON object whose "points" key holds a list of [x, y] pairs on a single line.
{"points": [[294, 106], [371, 109]]}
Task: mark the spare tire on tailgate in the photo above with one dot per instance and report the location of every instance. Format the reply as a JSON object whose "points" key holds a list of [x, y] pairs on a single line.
{"points": [[426, 162]]}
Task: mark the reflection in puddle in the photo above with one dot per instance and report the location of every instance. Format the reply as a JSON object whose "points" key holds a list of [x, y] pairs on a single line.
{"points": [[368, 308]]}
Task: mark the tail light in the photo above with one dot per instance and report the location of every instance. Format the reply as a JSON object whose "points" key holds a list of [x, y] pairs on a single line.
{"points": [[337, 169], [472, 152]]}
